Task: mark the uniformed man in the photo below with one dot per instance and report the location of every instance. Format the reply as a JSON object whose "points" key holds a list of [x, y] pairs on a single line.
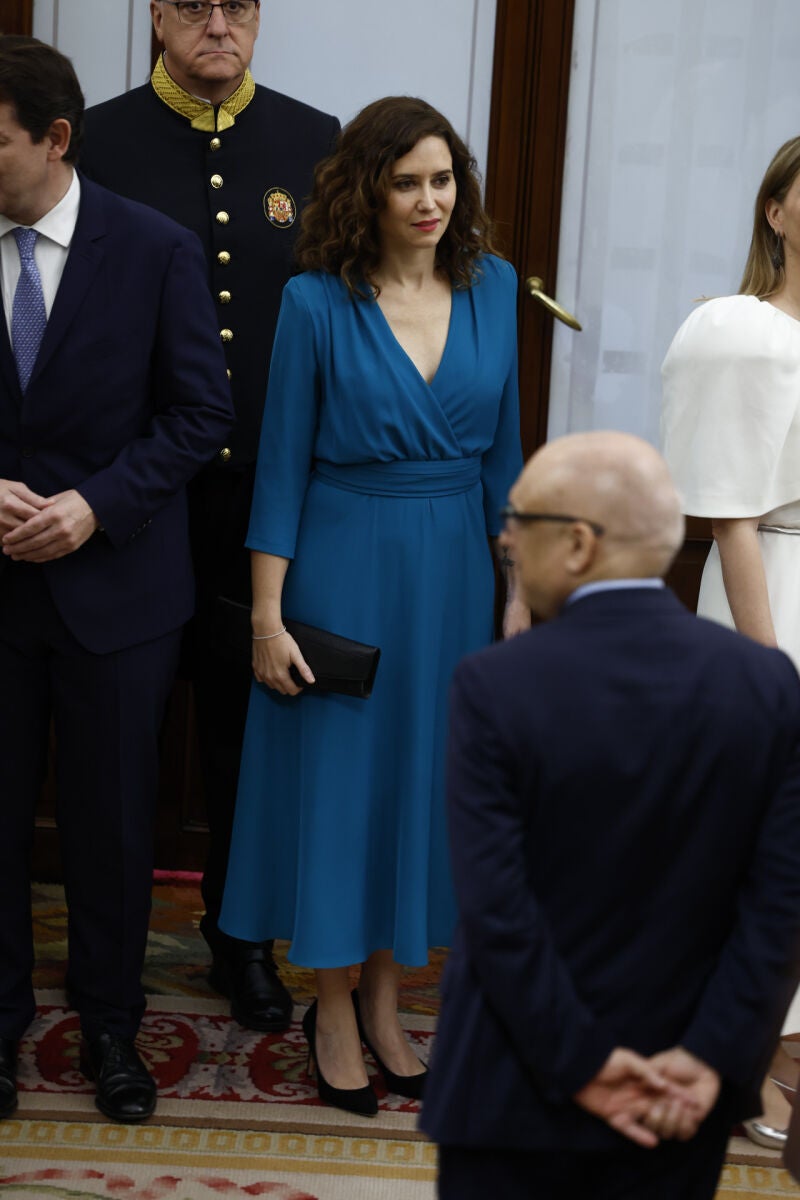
{"points": [[231, 160]]}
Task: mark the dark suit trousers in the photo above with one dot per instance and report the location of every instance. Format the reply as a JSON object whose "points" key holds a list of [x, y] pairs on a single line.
{"points": [[673, 1171], [107, 710], [219, 512]]}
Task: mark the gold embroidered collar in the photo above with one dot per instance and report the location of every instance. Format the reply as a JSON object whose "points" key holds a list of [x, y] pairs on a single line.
{"points": [[202, 116]]}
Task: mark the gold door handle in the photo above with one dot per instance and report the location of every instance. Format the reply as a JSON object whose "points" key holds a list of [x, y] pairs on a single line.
{"points": [[534, 285]]}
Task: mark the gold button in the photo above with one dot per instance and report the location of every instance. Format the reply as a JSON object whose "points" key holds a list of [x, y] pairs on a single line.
{"points": [[226, 335], [222, 218], [224, 297], [216, 181], [229, 373], [225, 454], [223, 258], [215, 143]]}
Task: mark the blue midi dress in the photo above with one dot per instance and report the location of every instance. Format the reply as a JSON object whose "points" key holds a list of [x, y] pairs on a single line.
{"points": [[381, 489]]}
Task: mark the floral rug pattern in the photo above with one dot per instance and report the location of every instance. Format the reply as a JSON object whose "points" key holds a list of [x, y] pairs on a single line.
{"points": [[196, 1052], [81, 1185]]}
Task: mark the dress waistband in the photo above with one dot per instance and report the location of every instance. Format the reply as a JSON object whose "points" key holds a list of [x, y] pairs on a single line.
{"points": [[424, 477], [777, 529]]}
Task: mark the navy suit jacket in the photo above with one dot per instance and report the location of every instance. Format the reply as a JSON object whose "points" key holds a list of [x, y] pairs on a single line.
{"points": [[127, 400], [624, 795]]}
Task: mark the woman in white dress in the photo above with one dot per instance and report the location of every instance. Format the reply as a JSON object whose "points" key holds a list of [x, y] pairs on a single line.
{"points": [[731, 435]]}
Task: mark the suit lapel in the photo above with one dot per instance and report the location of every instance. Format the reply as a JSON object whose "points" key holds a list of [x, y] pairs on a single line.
{"points": [[85, 255]]}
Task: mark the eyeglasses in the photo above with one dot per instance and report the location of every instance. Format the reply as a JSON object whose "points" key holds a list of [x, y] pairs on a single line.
{"points": [[509, 513], [198, 12]]}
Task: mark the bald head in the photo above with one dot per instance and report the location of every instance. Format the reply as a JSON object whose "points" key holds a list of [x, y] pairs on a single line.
{"points": [[614, 480]]}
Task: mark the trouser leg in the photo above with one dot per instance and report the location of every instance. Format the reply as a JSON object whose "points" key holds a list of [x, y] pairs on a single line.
{"points": [[108, 711], [219, 506], [24, 725], [476, 1172], [221, 694]]}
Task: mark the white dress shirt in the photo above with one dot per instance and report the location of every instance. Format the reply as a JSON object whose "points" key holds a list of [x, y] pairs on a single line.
{"points": [[55, 231]]}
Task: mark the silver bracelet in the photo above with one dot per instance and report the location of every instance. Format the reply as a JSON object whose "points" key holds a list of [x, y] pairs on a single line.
{"points": [[265, 637]]}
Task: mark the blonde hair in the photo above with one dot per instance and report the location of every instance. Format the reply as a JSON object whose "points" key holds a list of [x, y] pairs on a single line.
{"points": [[762, 276]]}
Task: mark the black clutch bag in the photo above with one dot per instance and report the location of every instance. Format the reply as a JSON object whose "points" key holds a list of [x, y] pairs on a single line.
{"points": [[339, 664]]}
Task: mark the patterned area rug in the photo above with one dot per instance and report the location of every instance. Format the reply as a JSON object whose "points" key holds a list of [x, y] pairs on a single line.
{"points": [[237, 1116]]}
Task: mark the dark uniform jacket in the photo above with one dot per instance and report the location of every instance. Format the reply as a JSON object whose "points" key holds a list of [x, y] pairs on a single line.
{"points": [[239, 189]]}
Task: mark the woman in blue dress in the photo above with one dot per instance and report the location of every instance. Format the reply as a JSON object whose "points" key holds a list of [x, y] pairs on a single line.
{"points": [[389, 442]]}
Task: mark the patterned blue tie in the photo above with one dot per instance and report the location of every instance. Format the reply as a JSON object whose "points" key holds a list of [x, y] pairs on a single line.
{"points": [[28, 316]]}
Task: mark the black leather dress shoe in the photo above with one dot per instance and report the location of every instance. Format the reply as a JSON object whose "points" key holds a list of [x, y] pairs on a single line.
{"points": [[248, 977], [126, 1091], [8, 1077]]}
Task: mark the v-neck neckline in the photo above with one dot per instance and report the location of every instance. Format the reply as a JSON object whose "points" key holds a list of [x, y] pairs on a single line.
{"points": [[404, 352]]}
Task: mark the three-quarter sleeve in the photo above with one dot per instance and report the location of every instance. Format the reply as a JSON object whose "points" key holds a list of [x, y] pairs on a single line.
{"points": [[729, 424], [288, 430], [502, 462]]}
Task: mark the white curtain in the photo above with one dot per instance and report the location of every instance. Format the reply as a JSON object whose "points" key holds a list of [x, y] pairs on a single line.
{"points": [[676, 107]]}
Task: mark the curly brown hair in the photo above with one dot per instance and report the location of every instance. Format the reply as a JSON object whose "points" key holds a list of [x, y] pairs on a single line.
{"points": [[339, 227]]}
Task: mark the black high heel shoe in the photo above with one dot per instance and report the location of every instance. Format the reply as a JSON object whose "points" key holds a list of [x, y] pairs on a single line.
{"points": [[411, 1086], [362, 1101]]}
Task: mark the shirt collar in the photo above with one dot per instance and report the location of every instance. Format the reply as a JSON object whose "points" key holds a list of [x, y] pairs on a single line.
{"points": [[59, 223], [612, 585]]}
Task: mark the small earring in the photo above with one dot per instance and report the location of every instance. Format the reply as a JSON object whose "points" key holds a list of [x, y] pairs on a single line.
{"points": [[777, 252]]}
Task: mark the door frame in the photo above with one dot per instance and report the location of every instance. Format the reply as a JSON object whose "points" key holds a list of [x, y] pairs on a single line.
{"points": [[525, 169], [17, 17]]}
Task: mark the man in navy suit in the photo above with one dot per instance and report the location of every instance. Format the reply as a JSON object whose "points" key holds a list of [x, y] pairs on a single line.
{"points": [[112, 395], [624, 791]]}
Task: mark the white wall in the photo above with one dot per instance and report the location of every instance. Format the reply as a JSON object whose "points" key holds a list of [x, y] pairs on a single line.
{"points": [[336, 56], [107, 40]]}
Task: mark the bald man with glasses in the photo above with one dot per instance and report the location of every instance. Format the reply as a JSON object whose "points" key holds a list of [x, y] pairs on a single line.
{"points": [[233, 161], [624, 800]]}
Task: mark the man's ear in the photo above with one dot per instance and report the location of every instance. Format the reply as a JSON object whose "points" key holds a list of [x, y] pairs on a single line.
{"points": [[582, 549], [59, 136], [157, 14]]}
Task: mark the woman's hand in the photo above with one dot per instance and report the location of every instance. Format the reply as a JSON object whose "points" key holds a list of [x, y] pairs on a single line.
{"points": [[516, 614], [272, 657], [516, 617]]}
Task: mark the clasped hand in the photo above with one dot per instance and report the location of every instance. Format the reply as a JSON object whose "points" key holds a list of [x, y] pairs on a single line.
{"points": [[38, 529], [650, 1100]]}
